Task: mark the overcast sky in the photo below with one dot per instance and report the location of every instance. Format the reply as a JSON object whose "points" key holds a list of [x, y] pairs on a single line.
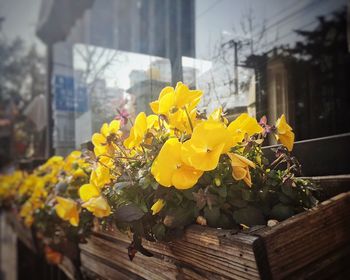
{"points": [[21, 17]]}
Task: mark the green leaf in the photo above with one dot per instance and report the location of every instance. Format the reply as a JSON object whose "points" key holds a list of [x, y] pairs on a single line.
{"points": [[128, 213], [180, 216], [289, 191], [159, 231], [248, 195], [249, 216], [121, 185], [281, 212], [239, 203], [212, 215], [284, 198], [221, 191]]}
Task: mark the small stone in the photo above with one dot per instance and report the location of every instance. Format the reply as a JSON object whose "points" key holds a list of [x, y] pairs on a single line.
{"points": [[201, 221], [271, 223]]}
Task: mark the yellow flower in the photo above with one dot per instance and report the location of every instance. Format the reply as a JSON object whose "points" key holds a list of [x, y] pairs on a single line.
{"points": [[137, 132], [183, 96], [173, 103], [94, 201], [101, 140], [70, 160], [53, 160], [169, 170], [244, 124], [284, 133], [26, 213], [179, 98], [100, 175], [209, 140], [157, 206], [153, 122], [217, 115], [240, 168], [98, 206], [164, 102], [79, 173], [67, 210]]}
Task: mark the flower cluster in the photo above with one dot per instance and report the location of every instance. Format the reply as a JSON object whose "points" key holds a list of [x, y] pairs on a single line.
{"points": [[175, 167], [47, 200]]}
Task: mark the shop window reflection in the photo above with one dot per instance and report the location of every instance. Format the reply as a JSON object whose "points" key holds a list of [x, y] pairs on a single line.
{"points": [[116, 84]]}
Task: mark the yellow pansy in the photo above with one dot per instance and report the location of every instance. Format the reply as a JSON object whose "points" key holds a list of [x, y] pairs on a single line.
{"points": [[102, 140], [157, 206], [98, 206], [137, 132], [88, 191], [169, 170], [79, 173], [242, 125], [209, 140], [217, 115], [152, 122], [53, 161], [100, 175], [284, 133], [240, 168], [184, 96], [26, 213], [67, 210], [70, 160], [179, 98], [94, 201]]}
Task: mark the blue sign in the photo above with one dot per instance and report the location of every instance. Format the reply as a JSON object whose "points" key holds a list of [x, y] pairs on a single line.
{"points": [[67, 97]]}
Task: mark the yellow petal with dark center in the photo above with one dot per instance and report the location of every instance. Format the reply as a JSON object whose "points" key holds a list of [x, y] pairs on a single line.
{"points": [[167, 162], [98, 139], [246, 124]]}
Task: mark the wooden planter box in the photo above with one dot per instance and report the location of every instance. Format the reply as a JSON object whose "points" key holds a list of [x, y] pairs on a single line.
{"points": [[312, 245], [25, 235]]}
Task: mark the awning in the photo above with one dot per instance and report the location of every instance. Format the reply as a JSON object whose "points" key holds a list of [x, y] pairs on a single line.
{"points": [[56, 18]]}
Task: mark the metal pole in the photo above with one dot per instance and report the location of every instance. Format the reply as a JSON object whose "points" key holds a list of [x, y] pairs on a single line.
{"points": [[235, 44], [49, 129]]}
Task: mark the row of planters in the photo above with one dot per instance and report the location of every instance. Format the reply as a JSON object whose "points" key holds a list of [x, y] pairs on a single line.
{"points": [[138, 194]]}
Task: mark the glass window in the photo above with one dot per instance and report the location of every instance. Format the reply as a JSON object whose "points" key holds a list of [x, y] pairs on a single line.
{"points": [[23, 106], [110, 58]]}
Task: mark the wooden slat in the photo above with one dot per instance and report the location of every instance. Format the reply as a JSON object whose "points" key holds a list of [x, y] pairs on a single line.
{"points": [[22, 232], [332, 266], [68, 268], [205, 253], [330, 186], [297, 242]]}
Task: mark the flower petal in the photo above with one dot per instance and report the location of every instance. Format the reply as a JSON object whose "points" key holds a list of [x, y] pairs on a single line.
{"points": [[88, 191]]}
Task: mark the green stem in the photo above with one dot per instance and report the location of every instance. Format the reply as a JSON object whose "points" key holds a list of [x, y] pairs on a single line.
{"points": [[189, 119]]}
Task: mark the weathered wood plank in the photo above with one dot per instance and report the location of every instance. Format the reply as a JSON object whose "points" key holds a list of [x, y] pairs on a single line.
{"points": [[331, 266], [68, 268], [304, 238], [330, 186], [8, 250], [205, 252], [22, 232]]}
